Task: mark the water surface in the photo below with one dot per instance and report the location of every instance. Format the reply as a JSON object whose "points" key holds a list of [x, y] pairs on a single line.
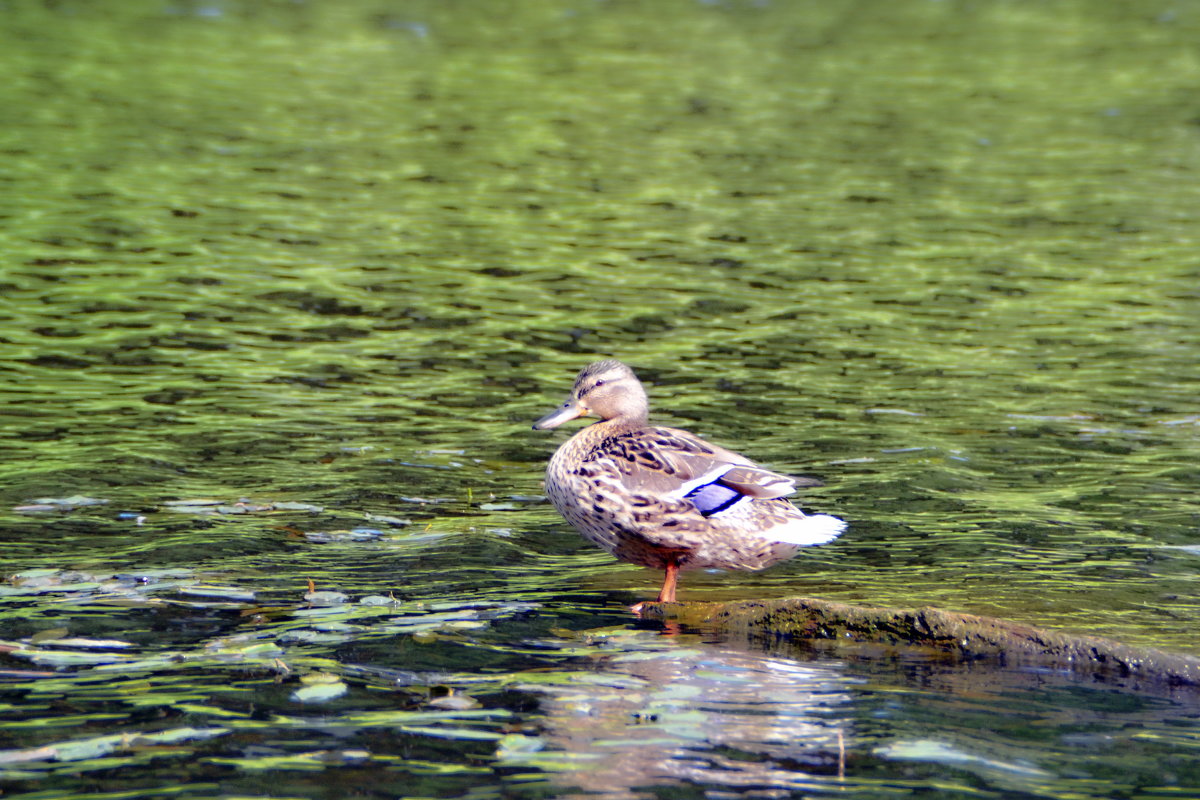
{"points": [[339, 256]]}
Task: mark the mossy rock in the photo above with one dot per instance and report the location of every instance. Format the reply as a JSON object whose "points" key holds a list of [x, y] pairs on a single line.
{"points": [[839, 626]]}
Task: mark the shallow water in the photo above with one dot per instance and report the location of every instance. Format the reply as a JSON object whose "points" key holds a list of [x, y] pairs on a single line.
{"points": [[339, 256]]}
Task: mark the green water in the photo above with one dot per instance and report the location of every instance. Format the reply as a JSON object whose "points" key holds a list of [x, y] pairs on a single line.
{"points": [[942, 255]]}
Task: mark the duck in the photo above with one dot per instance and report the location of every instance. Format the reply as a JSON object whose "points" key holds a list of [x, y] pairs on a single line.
{"points": [[663, 497]]}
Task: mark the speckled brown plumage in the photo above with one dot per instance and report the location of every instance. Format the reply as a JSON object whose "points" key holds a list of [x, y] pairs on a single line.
{"points": [[665, 498]]}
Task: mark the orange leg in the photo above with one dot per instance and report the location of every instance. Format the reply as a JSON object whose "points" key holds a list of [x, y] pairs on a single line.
{"points": [[667, 595]]}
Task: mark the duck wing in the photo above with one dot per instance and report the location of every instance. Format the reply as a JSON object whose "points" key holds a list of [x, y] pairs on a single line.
{"points": [[671, 464]]}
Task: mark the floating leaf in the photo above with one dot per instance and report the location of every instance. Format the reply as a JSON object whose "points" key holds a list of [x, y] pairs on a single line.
{"points": [[319, 677], [74, 501], [341, 610], [313, 637], [97, 746], [163, 586], [152, 575], [298, 507], [320, 691], [653, 655], [377, 600], [326, 598], [212, 711], [455, 702], [452, 733], [32, 754], [1193, 549], [224, 592], [312, 761], [464, 624], [455, 605], [947, 754], [85, 644], [87, 748], [29, 574], [13, 591], [69, 658], [354, 535], [179, 735], [164, 661], [396, 718], [83, 586], [516, 744], [238, 648], [200, 508], [386, 520]]}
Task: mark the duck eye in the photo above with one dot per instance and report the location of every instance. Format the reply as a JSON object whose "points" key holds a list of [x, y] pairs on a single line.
{"points": [[597, 384]]}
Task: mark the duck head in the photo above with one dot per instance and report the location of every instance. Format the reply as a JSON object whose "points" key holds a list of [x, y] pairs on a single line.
{"points": [[605, 389]]}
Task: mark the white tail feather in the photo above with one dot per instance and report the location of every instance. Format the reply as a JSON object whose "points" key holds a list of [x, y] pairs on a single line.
{"points": [[808, 530]]}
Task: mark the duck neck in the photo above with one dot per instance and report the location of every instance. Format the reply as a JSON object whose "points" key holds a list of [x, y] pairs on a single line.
{"points": [[621, 424]]}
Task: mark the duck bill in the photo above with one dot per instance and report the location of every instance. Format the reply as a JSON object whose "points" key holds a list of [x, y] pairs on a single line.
{"points": [[564, 413]]}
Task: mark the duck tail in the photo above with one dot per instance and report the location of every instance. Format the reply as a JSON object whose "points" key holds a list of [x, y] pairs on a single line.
{"points": [[806, 530]]}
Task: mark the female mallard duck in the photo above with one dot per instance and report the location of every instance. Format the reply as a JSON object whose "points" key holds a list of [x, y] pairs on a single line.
{"points": [[665, 498]]}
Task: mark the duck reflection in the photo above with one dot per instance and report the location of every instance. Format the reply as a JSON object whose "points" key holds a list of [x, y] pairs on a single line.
{"points": [[672, 711]]}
